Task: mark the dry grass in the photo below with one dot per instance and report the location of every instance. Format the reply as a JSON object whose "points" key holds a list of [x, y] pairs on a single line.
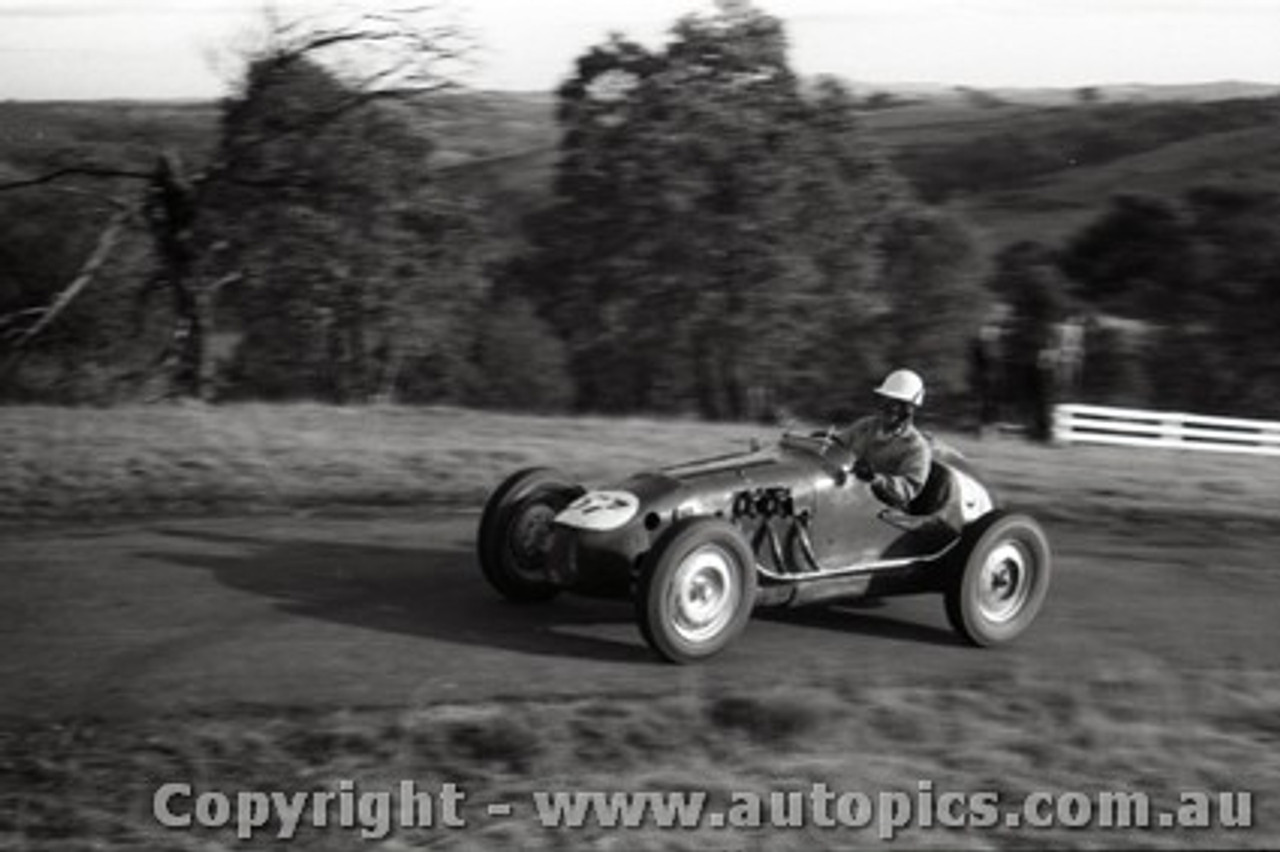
{"points": [[1125, 729], [94, 463], [87, 462]]}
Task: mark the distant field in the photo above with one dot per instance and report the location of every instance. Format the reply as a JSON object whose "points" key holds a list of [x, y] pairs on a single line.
{"points": [[102, 463]]}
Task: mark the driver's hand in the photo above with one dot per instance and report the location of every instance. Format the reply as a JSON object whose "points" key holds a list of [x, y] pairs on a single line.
{"points": [[862, 470]]}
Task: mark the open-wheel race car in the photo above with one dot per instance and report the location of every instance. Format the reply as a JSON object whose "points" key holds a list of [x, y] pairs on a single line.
{"points": [[697, 546]]}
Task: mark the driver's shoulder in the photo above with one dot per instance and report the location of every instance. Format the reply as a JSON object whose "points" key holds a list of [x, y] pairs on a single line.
{"points": [[924, 441]]}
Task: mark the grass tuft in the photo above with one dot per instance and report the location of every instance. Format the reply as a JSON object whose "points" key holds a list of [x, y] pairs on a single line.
{"points": [[776, 719], [504, 740]]}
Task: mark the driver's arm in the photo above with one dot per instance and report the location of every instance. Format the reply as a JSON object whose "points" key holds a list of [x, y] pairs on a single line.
{"points": [[854, 436], [907, 475]]}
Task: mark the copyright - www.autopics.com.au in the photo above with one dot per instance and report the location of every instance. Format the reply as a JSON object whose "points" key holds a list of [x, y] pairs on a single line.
{"points": [[374, 813]]}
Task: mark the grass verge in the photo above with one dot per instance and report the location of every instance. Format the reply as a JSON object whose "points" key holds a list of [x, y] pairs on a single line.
{"points": [[64, 463], [1127, 728]]}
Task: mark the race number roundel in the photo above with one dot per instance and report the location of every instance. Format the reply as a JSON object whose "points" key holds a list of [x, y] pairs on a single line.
{"points": [[600, 510]]}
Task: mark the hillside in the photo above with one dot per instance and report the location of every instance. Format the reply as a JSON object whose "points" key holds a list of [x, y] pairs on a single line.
{"points": [[1219, 90], [1020, 164], [1052, 207], [950, 149]]}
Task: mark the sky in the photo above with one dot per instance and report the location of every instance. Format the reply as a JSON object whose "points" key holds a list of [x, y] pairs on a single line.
{"points": [[75, 49]]}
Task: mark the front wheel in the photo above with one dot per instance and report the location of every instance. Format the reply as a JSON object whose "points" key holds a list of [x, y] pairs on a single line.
{"points": [[696, 591], [515, 532], [999, 587]]}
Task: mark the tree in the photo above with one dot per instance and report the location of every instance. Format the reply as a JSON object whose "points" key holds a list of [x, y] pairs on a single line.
{"points": [[937, 298], [1135, 259], [1200, 275], [519, 362], [658, 230], [314, 214], [311, 82], [1228, 328], [1028, 280], [710, 243], [59, 237]]}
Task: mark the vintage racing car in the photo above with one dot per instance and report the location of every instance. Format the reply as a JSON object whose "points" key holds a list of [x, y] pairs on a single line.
{"points": [[699, 545]]}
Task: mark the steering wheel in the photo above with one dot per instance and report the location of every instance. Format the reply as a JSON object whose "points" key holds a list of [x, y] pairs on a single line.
{"points": [[839, 469]]}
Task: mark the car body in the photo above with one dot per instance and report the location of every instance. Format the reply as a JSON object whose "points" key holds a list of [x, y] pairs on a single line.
{"points": [[700, 544]]}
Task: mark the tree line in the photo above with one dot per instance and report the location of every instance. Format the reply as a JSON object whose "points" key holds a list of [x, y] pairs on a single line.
{"points": [[720, 239]]}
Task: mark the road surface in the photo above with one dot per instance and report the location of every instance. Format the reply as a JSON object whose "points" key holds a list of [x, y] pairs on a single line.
{"points": [[168, 616]]}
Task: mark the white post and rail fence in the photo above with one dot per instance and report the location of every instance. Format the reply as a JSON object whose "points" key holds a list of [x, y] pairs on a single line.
{"points": [[1097, 424]]}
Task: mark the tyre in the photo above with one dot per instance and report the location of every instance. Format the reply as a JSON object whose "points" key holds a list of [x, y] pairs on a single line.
{"points": [[696, 590], [1000, 582], [515, 532]]}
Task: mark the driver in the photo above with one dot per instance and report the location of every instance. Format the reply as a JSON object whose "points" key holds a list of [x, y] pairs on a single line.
{"points": [[891, 453]]}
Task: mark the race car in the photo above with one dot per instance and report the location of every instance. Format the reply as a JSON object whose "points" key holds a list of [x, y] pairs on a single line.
{"points": [[699, 545]]}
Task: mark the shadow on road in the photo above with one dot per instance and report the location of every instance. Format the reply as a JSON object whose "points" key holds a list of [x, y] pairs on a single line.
{"points": [[439, 593], [854, 618], [424, 592]]}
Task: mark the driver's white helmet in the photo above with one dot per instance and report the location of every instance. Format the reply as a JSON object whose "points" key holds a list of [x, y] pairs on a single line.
{"points": [[903, 385]]}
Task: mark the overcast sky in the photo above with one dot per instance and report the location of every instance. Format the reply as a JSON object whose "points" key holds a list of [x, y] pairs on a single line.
{"points": [[161, 48]]}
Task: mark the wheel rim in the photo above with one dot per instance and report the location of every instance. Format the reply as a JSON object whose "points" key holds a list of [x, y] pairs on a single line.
{"points": [[704, 594], [1005, 582], [530, 539]]}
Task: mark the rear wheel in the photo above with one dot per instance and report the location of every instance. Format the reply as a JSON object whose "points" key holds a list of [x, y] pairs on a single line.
{"points": [[696, 591], [1000, 584], [515, 532]]}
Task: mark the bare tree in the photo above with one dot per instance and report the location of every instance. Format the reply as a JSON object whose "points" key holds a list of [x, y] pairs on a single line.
{"points": [[41, 318], [406, 55]]}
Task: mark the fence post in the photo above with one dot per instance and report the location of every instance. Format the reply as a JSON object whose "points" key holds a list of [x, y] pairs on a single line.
{"points": [[1061, 424]]}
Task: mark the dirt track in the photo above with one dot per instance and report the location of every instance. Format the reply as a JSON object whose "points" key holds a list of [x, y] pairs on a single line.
{"points": [[177, 615]]}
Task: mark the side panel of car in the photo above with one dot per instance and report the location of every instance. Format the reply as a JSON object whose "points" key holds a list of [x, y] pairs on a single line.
{"points": [[847, 529]]}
